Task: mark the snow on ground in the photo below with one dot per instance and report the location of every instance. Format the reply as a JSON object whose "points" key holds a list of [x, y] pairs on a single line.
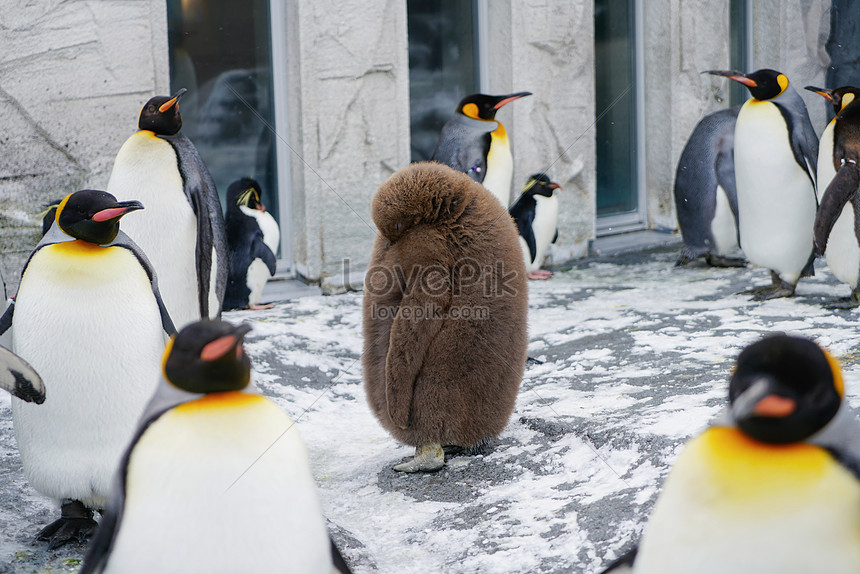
{"points": [[636, 360]]}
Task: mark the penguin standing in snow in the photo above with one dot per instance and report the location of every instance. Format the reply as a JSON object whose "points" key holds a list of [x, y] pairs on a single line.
{"points": [[216, 478], [182, 231], [474, 142], [535, 213], [445, 310], [89, 318], [253, 237], [706, 199], [837, 228], [771, 487], [776, 150]]}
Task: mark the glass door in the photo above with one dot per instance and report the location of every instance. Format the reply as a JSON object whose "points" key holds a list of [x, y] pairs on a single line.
{"points": [[620, 205]]}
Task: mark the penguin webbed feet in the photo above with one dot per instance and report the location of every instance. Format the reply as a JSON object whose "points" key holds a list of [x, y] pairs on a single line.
{"points": [[428, 458], [724, 261], [778, 288], [75, 524], [850, 302]]}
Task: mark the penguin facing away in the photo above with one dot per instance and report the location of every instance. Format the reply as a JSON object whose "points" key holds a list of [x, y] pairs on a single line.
{"points": [[837, 226], [706, 199], [217, 478], [182, 231], [474, 142], [775, 156], [535, 214], [772, 486], [444, 313], [253, 237], [89, 318]]}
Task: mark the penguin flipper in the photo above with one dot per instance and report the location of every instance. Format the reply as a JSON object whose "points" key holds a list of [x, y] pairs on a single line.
{"points": [[523, 212], [6, 318], [337, 559], [624, 563], [840, 191], [211, 232], [123, 240], [419, 319], [803, 141], [261, 251], [19, 378], [555, 237]]}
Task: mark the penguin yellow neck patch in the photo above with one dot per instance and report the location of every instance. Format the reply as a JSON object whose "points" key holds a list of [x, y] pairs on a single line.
{"points": [[744, 468], [230, 399], [79, 248], [782, 80]]}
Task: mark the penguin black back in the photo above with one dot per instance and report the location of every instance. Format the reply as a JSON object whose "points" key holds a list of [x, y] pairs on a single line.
{"points": [[161, 115], [784, 389]]}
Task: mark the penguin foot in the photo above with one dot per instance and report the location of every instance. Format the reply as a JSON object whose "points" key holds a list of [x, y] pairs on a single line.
{"points": [[843, 304], [540, 275], [720, 261], [774, 292], [428, 458], [257, 307], [75, 524], [480, 448]]}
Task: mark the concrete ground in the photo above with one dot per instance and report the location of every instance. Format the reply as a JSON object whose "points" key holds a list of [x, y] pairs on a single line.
{"points": [[635, 356]]}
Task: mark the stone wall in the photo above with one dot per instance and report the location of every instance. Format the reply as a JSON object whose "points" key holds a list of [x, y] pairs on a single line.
{"points": [[73, 77], [548, 49], [348, 82]]}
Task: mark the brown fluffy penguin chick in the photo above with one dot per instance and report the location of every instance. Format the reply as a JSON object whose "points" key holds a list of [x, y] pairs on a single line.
{"points": [[445, 312]]}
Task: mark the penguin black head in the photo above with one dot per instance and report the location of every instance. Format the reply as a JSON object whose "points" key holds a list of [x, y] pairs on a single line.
{"points": [[784, 389], [839, 97], [764, 84], [161, 115], [245, 192], [540, 184], [207, 357], [484, 107], [93, 215]]}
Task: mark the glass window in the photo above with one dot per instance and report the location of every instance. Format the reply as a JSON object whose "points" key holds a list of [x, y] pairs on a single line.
{"points": [[615, 73], [220, 50], [738, 27], [442, 66]]}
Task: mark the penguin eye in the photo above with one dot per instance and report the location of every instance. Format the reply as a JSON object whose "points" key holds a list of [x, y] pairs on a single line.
{"points": [[150, 108], [398, 226]]}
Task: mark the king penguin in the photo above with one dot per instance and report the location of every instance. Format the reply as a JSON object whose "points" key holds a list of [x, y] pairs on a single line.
{"points": [[474, 142], [182, 231], [837, 228], [89, 319], [216, 479], [19, 378], [253, 237], [535, 213], [776, 150], [772, 487], [706, 199]]}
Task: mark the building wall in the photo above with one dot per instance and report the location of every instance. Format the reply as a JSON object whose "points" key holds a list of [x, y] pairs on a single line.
{"points": [[73, 77], [348, 80]]}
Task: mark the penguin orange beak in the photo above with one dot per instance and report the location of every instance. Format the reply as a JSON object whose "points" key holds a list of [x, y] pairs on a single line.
{"points": [[172, 101], [732, 75], [554, 185], [116, 212], [510, 98], [826, 93], [775, 406], [223, 345]]}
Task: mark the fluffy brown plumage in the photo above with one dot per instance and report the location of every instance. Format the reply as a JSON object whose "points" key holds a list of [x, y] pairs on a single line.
{"points": [[445, 309]]}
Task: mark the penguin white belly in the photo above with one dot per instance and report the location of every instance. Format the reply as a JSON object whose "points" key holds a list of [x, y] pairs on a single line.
{"points": [[86, 319], [825, 171], [843, 251], [527, 257], [258, 275], [776, 199], [723, 227], [500, 167], [166, 230], [733, 505], [544, 226], [189, 507], [267, 224]]}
